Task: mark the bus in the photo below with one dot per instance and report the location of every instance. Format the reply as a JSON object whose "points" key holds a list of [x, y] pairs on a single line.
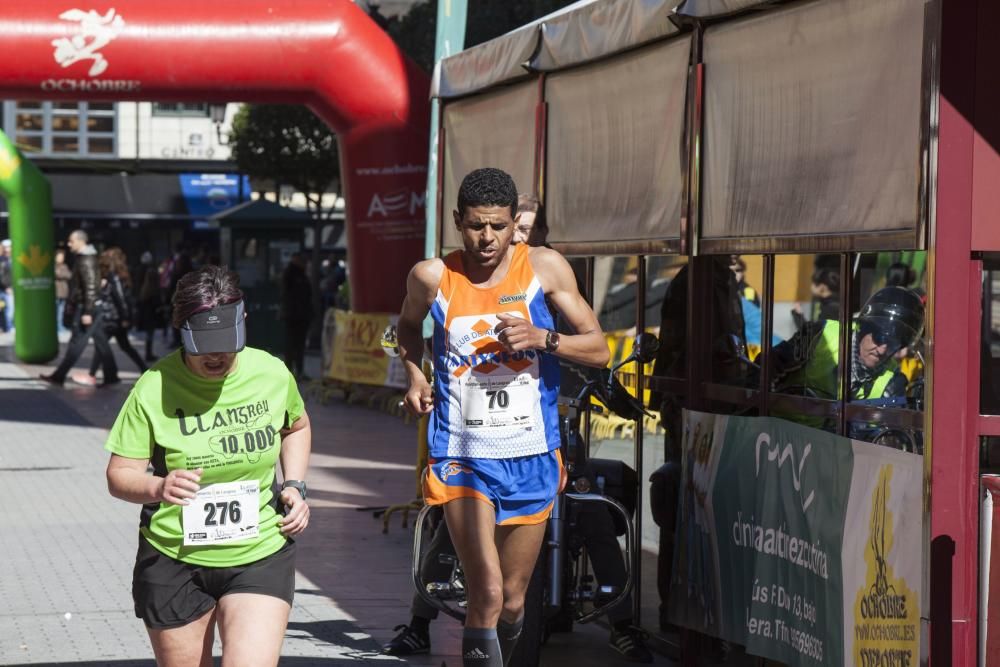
{"points": [[750, 180]]}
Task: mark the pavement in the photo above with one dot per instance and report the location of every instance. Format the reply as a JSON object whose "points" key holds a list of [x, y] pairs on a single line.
{"points": [[68, 547]]}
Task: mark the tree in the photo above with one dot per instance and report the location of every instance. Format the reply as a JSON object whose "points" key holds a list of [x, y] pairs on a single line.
{"points": [[278, 145]]}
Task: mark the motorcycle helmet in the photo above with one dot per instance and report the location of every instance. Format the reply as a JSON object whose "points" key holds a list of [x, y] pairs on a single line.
{"points": [[894, 316]]}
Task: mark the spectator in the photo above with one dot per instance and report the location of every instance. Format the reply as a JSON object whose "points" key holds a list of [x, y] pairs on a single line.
{"points": [[296, 312], [116, 307], [727, 358], [739, 267], [826, 297], [180, 266], [6, 288], [333, 277], [81, 313], [149, 311], [63, 274], [531, 227], [900, 275]]}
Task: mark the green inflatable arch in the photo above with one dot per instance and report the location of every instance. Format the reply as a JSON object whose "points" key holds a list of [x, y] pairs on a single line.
{"points": [[29, 203]]}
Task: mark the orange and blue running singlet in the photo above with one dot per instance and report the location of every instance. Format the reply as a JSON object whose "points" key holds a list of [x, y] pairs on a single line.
{"points": [[490, 403]]}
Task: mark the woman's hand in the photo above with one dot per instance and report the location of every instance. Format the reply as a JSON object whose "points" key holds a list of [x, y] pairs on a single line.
{"points": [[297, 518], [180, 486]]}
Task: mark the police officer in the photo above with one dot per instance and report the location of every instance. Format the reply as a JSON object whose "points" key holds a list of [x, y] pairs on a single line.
{"points": [[889, 324]]}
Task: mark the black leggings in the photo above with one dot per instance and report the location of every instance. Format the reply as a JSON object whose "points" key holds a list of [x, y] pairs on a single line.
{"points": [[78, 343], [120, 335]]}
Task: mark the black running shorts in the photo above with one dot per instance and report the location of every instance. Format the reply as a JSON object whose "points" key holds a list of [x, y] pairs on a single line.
{"points": [[169, 593]]}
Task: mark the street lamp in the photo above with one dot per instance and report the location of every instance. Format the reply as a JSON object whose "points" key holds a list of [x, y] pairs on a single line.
{"points": [[217, 112]]}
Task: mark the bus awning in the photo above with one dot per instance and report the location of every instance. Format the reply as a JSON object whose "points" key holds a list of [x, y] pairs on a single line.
{"points": [[576, 34]]}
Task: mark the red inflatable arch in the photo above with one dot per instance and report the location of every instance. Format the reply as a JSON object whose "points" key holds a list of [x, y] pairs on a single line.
{"points": [[327, 54]]}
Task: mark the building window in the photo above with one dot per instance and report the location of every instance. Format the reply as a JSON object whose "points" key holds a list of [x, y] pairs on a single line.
{"points": [[180, 109], [63, 128]]}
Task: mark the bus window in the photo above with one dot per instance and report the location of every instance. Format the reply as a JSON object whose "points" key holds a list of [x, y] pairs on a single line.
{"points": [[736, 321], [571, 381], [805, 340], [665, 317], [989, 376], [616, 294], [887, 348]]}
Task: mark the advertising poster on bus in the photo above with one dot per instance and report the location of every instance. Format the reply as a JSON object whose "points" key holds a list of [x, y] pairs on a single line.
{"points": [[801, 545]]}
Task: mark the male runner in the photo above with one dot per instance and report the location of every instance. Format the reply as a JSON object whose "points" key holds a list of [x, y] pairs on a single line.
{"points": [[494, 433]]}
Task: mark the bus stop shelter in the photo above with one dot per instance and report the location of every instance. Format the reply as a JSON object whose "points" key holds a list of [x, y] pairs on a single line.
{"points": [[257, 239]]}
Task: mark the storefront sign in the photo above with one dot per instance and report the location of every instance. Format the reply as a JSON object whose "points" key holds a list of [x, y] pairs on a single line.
{"points": [[208, 194], [801, 545]]}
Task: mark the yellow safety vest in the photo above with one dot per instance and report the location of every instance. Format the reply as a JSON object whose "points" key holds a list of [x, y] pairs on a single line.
{"points": [[819, 373]]}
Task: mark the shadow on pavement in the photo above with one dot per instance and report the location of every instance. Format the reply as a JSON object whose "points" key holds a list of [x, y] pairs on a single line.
{"points": [[337, 633], [36, 405]]}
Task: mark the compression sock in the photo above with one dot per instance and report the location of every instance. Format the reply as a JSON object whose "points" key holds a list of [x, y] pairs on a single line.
{"points": [[420, 625], [481, 648], [508, 634]]}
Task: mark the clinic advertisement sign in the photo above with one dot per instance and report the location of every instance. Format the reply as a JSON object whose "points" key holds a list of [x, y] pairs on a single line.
{"points": [[800, 545], [357, 355]]}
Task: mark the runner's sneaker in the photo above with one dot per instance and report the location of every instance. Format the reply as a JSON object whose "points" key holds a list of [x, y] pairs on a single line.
{"points": [[408, 642], [631, 643]]}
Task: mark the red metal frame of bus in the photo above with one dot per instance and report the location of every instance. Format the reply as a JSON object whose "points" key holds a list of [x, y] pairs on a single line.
{"points": [[967, 204]]}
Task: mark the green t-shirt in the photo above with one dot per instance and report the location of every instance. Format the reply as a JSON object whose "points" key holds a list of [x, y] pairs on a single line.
{"points": [[229, 428]]}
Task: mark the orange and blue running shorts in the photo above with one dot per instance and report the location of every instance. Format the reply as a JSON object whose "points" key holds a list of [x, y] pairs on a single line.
{"points": [[521, 490]]}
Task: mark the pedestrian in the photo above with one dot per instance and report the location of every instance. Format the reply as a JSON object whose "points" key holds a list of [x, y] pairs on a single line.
{"points": [[296, 312], [217, 536], [81, 313], [62, 277], [488, 302], [6, 287], [149, 306], [180, 266], [116, 307], [333, 276]]}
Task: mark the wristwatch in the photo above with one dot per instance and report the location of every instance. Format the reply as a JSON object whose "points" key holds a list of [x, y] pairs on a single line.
{"points": [[551, 341], [295, 484]]}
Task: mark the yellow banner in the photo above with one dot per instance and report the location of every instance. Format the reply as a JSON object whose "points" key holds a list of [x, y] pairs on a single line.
{"points": [[357, 352]]}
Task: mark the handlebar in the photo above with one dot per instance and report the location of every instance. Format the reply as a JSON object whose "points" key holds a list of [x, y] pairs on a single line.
{"points": [[608, 390]]}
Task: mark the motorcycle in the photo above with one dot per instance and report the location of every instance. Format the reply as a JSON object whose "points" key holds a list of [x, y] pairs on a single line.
{"points": [[563, 591]]}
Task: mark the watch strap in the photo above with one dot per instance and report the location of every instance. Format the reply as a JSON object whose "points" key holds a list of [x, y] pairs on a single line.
{"points": [[297, 484], [551, 341]]}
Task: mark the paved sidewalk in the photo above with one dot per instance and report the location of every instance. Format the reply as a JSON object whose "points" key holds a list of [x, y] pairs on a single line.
{"points": [[68, 547]]}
